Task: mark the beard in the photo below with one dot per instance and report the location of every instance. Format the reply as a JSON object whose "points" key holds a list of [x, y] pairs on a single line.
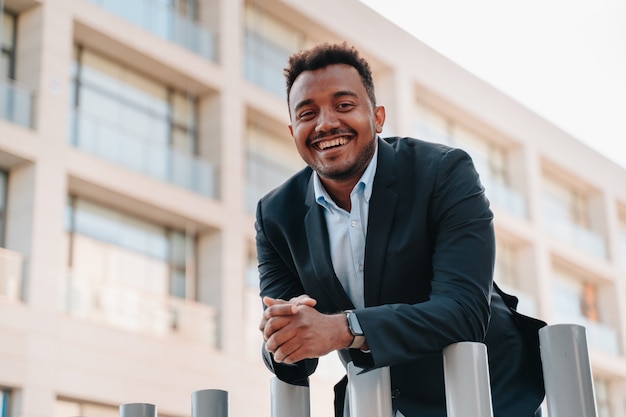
{"points": [[347, 168]]}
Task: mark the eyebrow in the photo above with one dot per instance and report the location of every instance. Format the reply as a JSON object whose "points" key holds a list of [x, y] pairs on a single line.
{"points": [[335, 95]]}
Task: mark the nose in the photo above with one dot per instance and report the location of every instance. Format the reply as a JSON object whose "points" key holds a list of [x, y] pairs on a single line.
{"points": [[326, 121]]}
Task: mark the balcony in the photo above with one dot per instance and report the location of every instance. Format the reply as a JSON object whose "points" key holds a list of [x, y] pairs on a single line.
{"points": [[140, 311], [16, 103], [263, 175], [622, 250], [600, 336], [165, 22], [264, 63], [581, 237], [505, 197], [11, 274], [125, 148]]}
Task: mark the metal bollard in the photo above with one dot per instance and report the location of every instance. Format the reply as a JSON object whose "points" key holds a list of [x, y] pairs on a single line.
{"points": [[209, 403], [289, 400], [466, 376], [138, 410], [567, 371], [369, 393]]}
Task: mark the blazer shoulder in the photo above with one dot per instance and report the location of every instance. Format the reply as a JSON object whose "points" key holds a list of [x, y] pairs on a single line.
{"points": [[419, 147], [424, 157]]}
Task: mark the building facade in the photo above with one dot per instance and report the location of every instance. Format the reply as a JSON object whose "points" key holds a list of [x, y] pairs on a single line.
{"points": [[135, 140]]}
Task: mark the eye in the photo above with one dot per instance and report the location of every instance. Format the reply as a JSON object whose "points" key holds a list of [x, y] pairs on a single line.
{"points": [[345, 106], [306, 115]]}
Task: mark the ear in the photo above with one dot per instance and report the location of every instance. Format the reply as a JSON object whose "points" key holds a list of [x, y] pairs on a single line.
{"points": [[290, 129], [379, 117]]}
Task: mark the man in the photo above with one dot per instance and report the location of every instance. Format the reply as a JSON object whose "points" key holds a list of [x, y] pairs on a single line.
{"points": [[382, 250]]}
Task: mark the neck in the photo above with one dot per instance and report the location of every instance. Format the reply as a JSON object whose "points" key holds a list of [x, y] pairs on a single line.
{"points": [[340, 191]]}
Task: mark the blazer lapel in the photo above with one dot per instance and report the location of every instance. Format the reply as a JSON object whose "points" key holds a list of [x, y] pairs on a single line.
{"points": [[319, 250], [381, 210]]}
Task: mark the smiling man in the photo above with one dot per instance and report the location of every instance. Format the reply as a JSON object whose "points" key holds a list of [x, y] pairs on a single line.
{"points": [[382, 250]]}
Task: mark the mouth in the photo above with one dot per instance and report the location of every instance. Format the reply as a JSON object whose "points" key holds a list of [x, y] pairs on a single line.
{"points": [[331, 143]]}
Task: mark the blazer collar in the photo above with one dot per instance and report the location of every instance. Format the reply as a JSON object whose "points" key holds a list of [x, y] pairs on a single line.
{"points": [[381, 213], [319, 252]]}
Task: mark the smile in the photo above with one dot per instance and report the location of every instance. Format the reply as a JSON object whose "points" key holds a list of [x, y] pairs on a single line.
{"points": [[331, 143]]}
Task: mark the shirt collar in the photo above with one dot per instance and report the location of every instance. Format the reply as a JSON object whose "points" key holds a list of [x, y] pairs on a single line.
{"points": [[366, 182]]}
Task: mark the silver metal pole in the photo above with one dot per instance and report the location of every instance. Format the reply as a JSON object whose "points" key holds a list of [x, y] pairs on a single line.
{"points": [[209, 403], [369, 393], [466, 376], [289, 400], [567, 371], [138, 410]]}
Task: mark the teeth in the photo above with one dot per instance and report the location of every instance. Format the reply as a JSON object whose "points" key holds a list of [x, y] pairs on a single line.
{"points": [[331, 143]]}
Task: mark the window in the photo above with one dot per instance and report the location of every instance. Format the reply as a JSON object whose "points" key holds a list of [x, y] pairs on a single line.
{"points": [[64, 408], [580, 300], [269, 43], [137, 122], [603, 401], [5, 402], [431, 126], [567, 214], [4, 177], [7, 62], [131, 273], [270, 161], [622, 243], [253, 307], [157, 260], [172, 20]]}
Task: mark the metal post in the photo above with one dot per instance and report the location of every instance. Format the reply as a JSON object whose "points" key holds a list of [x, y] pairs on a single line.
{"points": [[369, 393], [138, 410], [209, 403], [567, 371], [289, 400], [466, 376]]}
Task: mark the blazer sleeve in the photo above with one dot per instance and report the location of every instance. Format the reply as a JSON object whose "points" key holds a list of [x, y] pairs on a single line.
{"points": [[279, 281], [463, 251]]}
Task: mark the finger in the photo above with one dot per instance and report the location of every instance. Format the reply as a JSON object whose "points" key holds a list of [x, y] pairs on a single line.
{"points": [[274, 325], [287, 353], [277, 333], [280, 310], [303, 300], [282, 347], [269, 301]]}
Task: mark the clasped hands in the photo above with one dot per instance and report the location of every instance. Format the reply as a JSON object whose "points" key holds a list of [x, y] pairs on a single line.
{"points": [[294, 330]]}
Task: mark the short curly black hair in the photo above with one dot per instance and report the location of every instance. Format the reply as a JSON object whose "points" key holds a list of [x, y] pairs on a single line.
{"points": [[325, 54]]}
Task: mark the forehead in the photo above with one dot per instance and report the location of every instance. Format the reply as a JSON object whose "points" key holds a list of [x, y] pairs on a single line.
{"points": [[326, 82]]}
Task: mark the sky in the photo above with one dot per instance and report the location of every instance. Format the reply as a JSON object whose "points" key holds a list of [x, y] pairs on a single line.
{"points": [[563, 59]]}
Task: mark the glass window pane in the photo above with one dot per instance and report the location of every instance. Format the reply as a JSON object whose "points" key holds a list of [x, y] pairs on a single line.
{"points": [[104, 108], [8, 30], [183, 110], [5, 65], [144, 92], [101, 72]]}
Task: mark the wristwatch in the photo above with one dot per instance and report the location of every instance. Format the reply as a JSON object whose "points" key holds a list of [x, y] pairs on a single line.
{"points": [[355, 329]]}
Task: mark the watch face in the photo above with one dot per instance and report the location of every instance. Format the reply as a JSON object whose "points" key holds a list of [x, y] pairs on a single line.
{"points": [[353, 323]]}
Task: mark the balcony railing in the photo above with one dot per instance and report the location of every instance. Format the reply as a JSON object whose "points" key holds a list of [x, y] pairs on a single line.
{"points": [[122, 147], [165, 22], [622, 251], [583, 238], [503, 196], [137, 310], [601, 336], [16, 103], [264, 63], [11, 274]]}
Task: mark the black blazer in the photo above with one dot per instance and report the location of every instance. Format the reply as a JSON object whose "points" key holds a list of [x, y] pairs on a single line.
{"points": [[428, 278]]}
